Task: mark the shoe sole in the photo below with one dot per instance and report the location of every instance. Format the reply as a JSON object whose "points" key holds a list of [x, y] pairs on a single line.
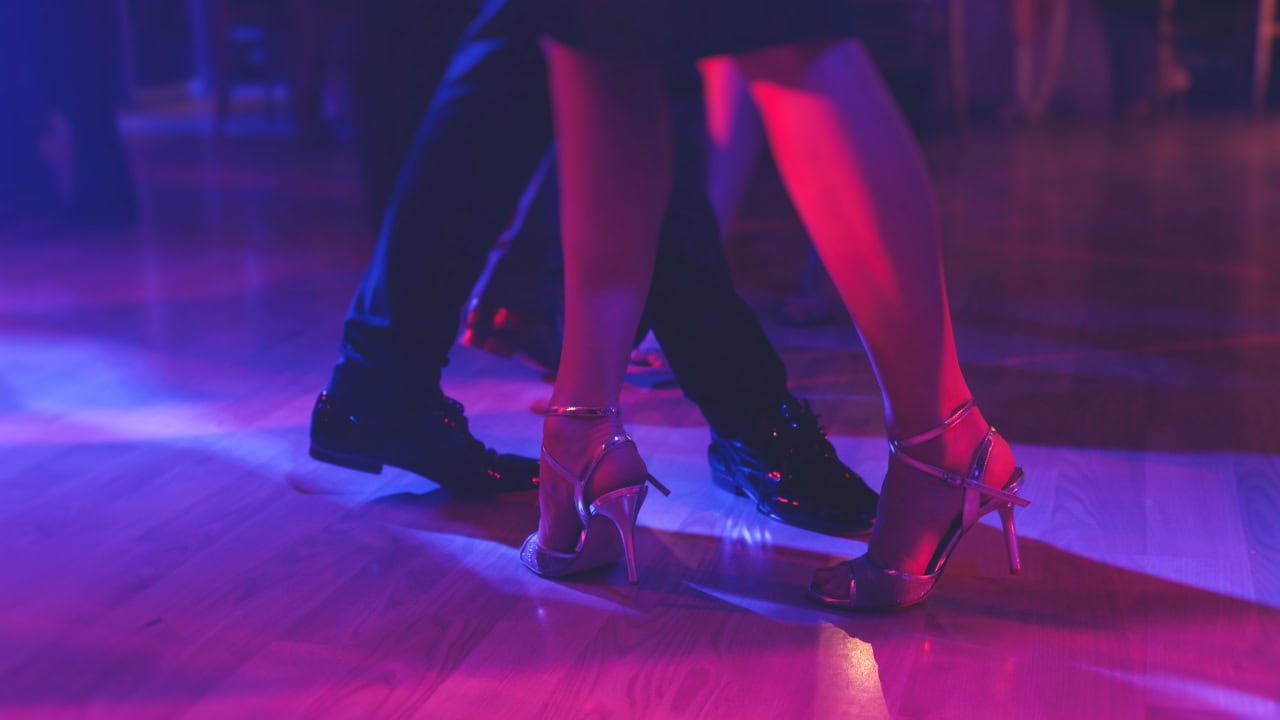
{"points": [[844, 606], [351, 462], [365, 464]]}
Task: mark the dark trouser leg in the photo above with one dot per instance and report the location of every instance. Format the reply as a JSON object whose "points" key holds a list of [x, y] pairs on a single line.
{"points": [[716, 347], [529, 274], [484, 133], [533, 253], [520, 305], [103, 189]]}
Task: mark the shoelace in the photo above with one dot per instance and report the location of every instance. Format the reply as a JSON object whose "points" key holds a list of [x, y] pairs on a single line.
{"points": [[454, 413], [805, 431], [802, 440]]}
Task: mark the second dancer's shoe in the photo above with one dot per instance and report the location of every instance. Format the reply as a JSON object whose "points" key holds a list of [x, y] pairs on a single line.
{"points": [[430, 438], [608, 522], [874, 588], [506, 332], [783, 461]]}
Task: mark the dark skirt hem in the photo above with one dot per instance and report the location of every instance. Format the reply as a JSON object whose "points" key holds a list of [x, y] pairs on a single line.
{"points": [[672, 30]]}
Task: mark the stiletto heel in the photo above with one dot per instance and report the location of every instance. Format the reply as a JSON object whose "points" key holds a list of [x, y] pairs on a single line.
{"points": [[620, 508], [873, 587], [1010, 539]]}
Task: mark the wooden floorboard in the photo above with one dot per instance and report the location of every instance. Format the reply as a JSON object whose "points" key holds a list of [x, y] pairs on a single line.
{"points": [[168, 549]]}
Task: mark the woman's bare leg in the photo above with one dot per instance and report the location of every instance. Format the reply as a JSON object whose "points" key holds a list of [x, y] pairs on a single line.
{"points": [[735, 135], [861, 186], [613, 136]]}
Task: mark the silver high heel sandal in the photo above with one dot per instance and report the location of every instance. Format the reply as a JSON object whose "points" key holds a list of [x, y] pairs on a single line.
{"points": [[879, 588], [619, 508]]}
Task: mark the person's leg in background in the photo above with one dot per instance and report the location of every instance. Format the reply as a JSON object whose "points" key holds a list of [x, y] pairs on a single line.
{"points": [[308, 27], [26, 185], [88, 93], [1130, 27], [1040, 35]]}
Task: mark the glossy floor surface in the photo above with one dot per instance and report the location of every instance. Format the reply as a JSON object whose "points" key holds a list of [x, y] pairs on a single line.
{"points": [[167, 548]]}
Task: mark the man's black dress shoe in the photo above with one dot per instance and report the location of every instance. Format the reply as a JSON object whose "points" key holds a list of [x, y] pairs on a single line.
{"points": [[431, 440], [786, 464], [507, 333]]}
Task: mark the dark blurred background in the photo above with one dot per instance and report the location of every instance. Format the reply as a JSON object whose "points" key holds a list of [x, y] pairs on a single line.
{"points": [[316, 71]]}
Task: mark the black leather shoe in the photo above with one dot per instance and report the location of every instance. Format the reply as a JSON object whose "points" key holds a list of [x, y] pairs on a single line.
{"points": [[432, 441], [786, 464], [535, 337]]}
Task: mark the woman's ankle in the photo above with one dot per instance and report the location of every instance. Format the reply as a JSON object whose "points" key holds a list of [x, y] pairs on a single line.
{"points": [[954, 449], [575, 443], [571, 439]]}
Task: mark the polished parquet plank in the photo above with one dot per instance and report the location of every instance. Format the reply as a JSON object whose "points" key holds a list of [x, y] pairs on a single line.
{"points": [[167, 548]]}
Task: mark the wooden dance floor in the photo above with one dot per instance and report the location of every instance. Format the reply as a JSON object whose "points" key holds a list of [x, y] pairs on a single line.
{"points": [[168, 549]]}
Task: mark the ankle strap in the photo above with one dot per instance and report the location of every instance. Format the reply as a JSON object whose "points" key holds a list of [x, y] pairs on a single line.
{"points": [[971, 479], [582, 411], [928, 435]]}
